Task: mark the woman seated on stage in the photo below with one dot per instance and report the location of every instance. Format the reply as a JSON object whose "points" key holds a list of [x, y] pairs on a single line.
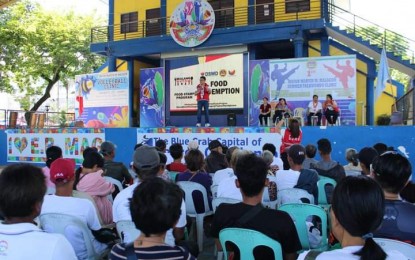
{"points": [[331, 109], [264, 112], [281, 110]]}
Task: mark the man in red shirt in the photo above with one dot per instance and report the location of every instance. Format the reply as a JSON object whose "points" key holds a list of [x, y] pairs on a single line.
{"points": [[202, 97]]}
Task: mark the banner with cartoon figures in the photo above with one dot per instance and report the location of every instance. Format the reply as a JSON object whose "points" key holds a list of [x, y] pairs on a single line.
{"points": [[249, 138], [224, 75], [152, 98], [297, 80], [103, 99], [192, 22], [30, 145]]}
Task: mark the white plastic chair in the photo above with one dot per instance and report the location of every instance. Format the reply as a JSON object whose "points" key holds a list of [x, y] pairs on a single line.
{"points": [[50, 191], [217, 201], [390, 244], [127, 231], [299, 114], [84, 195], [214, 190], [189, 187], [59, 223], [115, 182], [293, 195]]}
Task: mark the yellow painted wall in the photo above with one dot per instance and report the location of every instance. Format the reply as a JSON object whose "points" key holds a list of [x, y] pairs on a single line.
{"points": [[384, 103], [281, 16], [128, 6], [314, 46]]}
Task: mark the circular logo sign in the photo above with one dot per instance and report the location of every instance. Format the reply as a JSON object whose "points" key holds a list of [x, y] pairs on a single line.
{"points": [[192, 22]]}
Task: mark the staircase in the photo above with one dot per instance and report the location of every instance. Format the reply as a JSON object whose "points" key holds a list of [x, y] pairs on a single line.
{"points": [[369, 39]]}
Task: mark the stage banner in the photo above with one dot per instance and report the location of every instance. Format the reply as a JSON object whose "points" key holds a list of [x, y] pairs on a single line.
{"points": [[103, 99], [248, 138], [297, 80], [152, 102], [224, 74], [30, 145]]}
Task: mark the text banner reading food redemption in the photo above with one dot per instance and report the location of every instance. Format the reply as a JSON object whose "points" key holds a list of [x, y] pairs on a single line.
{"points": [[224, 75]]}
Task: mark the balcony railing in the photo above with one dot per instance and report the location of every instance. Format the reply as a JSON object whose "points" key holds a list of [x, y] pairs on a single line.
{"points": [[225, 18], [18, 119]]}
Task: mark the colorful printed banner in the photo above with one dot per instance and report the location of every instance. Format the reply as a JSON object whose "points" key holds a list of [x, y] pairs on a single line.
{"points": [[192, 22], [103, 99], [224, 75], [152, 102], [250, 138], [30, 145], [297, 80]]}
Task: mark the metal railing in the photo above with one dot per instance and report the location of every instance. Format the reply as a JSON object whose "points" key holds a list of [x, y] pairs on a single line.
{"points": [[377, 35], [225, 18], [19, 119], [405, 104]]}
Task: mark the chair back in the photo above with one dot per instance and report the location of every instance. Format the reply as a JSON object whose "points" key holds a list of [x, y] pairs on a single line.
{"points": [[294, 195], [60, 223], [352, 173], [173, 176], [217, 201], [214, 190], [246, 240], [324, 196], [406, 249], [299, 114], [115, 182], [300, 213], [127, 231], [189, 187]]}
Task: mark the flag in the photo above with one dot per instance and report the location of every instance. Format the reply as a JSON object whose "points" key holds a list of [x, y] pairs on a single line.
{"points": [[383, 75]]}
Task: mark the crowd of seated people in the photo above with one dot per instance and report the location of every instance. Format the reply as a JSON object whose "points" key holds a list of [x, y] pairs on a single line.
{"points": [[373, 204], [314, 111]]}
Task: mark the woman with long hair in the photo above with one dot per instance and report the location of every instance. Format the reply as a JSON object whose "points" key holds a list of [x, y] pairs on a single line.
{"points": [[356, 212], [352, 157], [89, 179], [281, 110], [292, 135], [331, 109]]}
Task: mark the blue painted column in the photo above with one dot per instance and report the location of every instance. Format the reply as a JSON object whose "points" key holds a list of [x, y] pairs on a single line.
{"points": [[325, 46], [251, 12], [131, 90], [370, 91], [298, 45], [112, 64], [163, 14]]}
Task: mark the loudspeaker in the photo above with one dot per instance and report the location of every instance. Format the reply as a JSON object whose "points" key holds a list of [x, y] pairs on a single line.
{"points": [[231, 119]]}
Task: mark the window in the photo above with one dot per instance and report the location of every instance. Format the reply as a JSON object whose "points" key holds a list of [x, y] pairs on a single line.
{"points": [[129, 22], [224, 13], [296, 6]]}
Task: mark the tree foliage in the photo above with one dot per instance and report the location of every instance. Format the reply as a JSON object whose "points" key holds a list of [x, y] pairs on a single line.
{"points": [[40, 48], [393, 42]]}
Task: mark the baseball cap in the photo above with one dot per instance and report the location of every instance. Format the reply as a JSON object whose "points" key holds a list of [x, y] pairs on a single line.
{"points": [[146, 157], [297, 153], [62, 170], [214, 144], [107, 148], [193, 145]]}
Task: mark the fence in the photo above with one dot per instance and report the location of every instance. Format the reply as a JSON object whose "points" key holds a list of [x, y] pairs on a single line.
{"points": [[18, 119]]}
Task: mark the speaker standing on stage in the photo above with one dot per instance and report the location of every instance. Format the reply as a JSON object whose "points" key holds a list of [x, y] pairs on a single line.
{"points": [[202, 97]]}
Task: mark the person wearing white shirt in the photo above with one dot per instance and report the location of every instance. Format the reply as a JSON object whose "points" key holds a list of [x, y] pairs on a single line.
{"points": [[20, 237], [146, 163], [314, 109], [62, 202], [226, 173], [356, 212]]}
